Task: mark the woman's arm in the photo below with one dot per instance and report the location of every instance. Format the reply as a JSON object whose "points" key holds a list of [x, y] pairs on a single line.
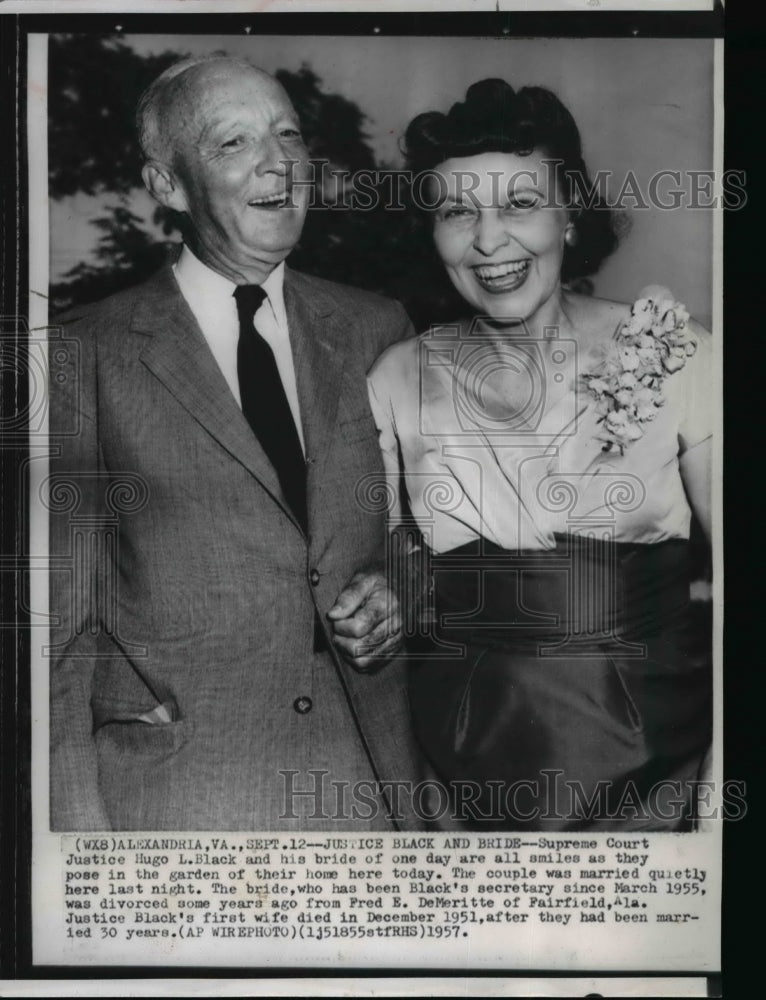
{"points": [[407, 559], [696, 470], [389, 490], [696, 429]]}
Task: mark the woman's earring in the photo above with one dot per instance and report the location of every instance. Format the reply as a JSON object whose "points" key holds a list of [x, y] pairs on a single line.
{"points": [[570, 235]]}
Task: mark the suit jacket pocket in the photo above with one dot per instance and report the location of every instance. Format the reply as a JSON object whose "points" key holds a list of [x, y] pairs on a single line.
{"points": [[124, 740], [106, 710]]}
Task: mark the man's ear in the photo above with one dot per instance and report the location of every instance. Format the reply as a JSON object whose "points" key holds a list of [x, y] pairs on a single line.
{"points": [[163, 186]]}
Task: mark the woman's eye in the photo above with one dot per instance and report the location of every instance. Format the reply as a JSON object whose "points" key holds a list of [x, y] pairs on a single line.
{"points": [[290, 133], [523, 201]]}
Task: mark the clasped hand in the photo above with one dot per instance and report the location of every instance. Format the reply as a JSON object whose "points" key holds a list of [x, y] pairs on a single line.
{"points": [[366, 621]]}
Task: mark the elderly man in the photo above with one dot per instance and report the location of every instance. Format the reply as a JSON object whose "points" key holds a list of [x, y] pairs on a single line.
{"points": [[226, 675]]}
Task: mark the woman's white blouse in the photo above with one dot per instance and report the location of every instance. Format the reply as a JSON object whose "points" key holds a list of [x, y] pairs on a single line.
{"points": [[499, 439]]}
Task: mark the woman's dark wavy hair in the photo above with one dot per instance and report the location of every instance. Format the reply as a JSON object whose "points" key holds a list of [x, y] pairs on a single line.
{"points": [[494, 118]]}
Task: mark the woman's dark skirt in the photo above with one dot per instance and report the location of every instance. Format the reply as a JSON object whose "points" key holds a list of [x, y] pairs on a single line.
{"points": [[568, 689]]}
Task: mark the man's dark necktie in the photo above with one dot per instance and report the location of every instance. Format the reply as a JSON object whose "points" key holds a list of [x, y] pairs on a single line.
{"points": [[264, 402]]}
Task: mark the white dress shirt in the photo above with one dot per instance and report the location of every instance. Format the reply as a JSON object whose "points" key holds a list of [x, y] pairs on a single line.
{"points": [[211, 299]]}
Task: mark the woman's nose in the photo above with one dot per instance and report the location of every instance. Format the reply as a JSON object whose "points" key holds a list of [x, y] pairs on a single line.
{"points": [[492, 233]]}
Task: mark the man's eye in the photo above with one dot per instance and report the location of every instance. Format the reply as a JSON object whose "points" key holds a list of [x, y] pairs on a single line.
{"points": [[457, 212], [290, 133], [232, 143]]}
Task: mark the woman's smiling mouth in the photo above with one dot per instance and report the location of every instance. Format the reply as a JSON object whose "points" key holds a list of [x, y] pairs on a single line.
{"points": [[503, 277]]}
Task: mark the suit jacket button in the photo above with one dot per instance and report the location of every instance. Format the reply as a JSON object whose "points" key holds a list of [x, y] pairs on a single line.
{"points": [[303, 705], [314, 576]]}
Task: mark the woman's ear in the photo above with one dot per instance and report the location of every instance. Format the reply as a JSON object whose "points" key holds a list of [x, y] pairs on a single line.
{"points": [[571, 233], [163, 186]]}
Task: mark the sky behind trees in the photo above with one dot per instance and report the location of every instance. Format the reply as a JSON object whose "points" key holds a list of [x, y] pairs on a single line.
{"points": [[641, 104]]}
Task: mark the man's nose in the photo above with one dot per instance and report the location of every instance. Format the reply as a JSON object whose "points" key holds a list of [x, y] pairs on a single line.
{"points": [[492, 232], [271, 157]]}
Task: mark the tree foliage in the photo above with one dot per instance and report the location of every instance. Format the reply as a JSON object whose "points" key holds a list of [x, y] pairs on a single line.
{"points": [[94, 86]]}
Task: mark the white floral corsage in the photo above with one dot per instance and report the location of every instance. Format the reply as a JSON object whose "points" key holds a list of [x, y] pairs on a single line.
{"points": [[627, 384]]}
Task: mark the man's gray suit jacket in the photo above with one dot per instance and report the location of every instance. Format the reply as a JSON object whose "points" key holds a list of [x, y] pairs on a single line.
{"points": [[186, 692]]}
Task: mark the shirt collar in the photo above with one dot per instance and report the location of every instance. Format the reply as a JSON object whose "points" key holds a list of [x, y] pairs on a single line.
{"points": [[200, 283], [274, 286]]}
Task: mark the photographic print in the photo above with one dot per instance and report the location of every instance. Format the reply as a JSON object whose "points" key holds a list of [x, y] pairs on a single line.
{"points": [[374, 493]]}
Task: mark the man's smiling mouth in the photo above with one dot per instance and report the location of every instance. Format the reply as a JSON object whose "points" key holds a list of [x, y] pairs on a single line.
{"points": [[504, 277], [278, 200]]}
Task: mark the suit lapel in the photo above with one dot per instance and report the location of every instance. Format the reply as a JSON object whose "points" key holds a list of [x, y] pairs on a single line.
{"points": [[318, 334], [176, 352]]}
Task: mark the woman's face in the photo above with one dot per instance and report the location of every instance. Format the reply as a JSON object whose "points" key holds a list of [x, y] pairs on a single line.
{"points": [[500, 234]]}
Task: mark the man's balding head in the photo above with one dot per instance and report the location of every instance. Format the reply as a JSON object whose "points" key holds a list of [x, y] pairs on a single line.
{"points": [[167, 98], [223, 147]]}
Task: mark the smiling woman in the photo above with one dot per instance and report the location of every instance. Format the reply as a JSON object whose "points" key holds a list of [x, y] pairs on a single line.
{"points": [[550, 448], [496, 241], [530, 158]]}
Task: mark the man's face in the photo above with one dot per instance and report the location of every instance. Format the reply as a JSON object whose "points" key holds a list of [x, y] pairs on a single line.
{"points": [[238, 160]]}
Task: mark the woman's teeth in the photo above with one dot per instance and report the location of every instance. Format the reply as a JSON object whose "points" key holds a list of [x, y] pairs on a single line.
{"points": [[502, 277]]}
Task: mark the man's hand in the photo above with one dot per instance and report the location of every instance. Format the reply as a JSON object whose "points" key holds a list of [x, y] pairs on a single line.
{"points": [[367, 622]]}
